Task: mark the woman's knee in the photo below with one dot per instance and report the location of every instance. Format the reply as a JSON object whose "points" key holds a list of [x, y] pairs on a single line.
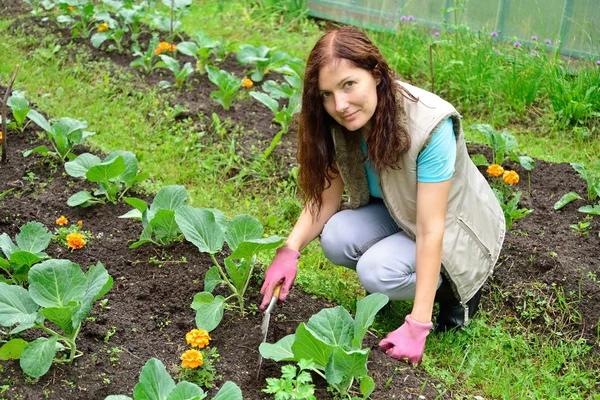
{"points": [[394, 278], [337, 240]]}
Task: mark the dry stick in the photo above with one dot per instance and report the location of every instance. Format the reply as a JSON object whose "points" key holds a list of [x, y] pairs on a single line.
{"points": [[4, 101], [431, 67]]}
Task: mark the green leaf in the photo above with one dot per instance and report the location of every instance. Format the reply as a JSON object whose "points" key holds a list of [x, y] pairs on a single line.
{"points": [[200, 227], [55, 283], [43, 150], [16, 305], [117, 397], [155, 382], [186, 391], [39, 120], [138, 204], [7, 245], [367, 385], [62, 316], [12, 349], [164, 226], [106, 171], [212, 279], [80, 199], [168, 198], [99, 282], [333, 326], [145, 237], [131, 168], [479, 160], [595, 210], [80, 166], [566, 199], [37, 356], [209, 310], [229, 391], [280, 351], [366, 310], [580, 168], [249, 248], [34, 238], [249, 54], [527, 162], [188, 48], [242, 228], [99, 37], [267, 100], [308, 346], [26, 258], [237, 273], [343, 365]]}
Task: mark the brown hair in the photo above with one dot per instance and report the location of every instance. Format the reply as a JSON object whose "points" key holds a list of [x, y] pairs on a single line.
{"points": [[388, 139]]}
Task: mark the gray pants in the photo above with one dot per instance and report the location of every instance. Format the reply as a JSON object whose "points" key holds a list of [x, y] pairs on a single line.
{"points": [[368, 240]]}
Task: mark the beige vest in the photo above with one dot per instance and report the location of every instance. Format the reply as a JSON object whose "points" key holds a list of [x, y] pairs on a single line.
{"points": [[475, 224]]}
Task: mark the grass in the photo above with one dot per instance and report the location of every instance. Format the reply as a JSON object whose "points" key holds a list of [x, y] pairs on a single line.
{"points": [[500, 355]]}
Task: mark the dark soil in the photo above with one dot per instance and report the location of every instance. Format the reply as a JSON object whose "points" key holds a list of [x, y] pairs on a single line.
{"points": [[148, 307]]}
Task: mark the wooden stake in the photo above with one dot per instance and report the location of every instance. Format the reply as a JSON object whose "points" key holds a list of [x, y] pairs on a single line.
{"points": [[4, 114], [431, 68]]}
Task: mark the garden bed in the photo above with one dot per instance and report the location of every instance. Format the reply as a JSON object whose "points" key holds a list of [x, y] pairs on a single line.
{"points": [[148, 310]]}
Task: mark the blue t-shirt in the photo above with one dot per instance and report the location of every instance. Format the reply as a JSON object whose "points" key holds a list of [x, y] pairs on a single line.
{"points": [[434, 164]]}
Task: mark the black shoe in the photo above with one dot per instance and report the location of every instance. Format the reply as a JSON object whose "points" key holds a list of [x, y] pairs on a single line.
{"points": [[452, 313]]}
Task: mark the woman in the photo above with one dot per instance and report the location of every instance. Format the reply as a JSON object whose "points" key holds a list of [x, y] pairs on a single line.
{"points": [[421, 221]]}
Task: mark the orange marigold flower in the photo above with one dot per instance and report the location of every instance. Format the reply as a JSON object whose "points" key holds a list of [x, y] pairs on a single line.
{"points": [[191, 359], [75, 240], [103, 27], [197, 338], [164, 46], [62, 220], [0, 136], [80, 223], [510, 177], [495, 170], [70, 8], [247, 83]]}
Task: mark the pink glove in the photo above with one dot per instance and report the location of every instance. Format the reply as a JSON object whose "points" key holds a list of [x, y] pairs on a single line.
{"points": [[408, 341], [281, 271]]}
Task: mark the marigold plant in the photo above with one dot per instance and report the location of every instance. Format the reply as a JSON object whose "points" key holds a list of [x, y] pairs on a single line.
{"points": [[103, 27], [163, 47], [62, 220], [495, 170], [0, 136], [80, 223], [75, 240], [70, 8], [197, 338], [510, 177], [191, 359], [247, 83]]}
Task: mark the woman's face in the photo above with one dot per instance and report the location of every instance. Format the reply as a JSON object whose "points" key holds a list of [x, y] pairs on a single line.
{"points": [[349, 94]]}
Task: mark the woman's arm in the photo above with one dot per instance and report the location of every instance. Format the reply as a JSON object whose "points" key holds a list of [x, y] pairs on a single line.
{"points": [[432, 202], [307, 228]]}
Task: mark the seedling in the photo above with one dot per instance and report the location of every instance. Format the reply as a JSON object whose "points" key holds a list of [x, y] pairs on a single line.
{"points": [[31, 242], [59, 292], [581, 227], [264, 59], [332, 339], [510, 207], [158, 221], [64, 134], [295, 383], [86, 22], [201, 50], [147, 59], [228, 85], [180, 74], [156, 383], [115, 175], [208, 230], [113, 31], [20, 108], [503, 147]]}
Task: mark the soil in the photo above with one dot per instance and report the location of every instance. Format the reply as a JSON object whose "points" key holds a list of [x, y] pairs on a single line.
{"points": [[148, 308]]}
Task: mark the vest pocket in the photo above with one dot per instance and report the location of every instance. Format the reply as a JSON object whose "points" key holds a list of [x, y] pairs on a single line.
{"points": [[474, 237]]}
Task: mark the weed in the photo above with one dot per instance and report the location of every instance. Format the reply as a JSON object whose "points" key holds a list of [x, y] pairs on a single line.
{"points": [[111, 331]]}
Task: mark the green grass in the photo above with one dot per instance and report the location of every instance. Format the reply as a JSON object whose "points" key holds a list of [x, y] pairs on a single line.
{"points": [[499, 355]]}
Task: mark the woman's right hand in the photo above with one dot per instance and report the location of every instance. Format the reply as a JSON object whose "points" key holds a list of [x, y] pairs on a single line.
{"points": [[282, 271]]}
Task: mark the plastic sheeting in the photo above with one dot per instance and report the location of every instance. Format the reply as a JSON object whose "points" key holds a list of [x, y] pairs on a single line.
{"points": [[572, 25]]}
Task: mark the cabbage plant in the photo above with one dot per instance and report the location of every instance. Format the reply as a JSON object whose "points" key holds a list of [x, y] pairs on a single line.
{"points": [[156, 384], [58, 292], [31, 242], [115, 175], [19, 106], [332, 339], [158, 220], [209, 230]]}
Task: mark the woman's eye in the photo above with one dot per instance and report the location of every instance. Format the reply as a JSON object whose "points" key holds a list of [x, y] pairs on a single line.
{"points": [[349, 84], [324, 95]]}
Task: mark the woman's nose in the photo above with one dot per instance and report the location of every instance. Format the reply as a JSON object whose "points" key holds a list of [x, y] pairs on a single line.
{"points": [[341, 104]]}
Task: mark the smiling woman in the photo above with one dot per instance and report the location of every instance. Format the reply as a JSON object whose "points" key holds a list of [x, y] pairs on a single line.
{"points": [[421, 223]]}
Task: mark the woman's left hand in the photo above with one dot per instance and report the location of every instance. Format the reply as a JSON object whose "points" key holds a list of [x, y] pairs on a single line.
{"points": [[408, 341]]}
